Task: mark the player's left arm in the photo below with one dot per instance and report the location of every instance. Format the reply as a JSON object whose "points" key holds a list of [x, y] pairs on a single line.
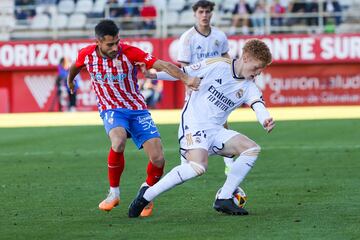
{"points": [[263, 115], [154, 76], [176, 73], [137, 56], [256, 102]]}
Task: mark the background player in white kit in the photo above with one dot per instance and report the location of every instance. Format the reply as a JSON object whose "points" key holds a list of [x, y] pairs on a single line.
{"points": [[226, 84], [203, 41]]}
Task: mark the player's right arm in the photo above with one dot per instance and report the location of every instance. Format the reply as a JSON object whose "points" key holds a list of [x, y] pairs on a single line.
{"points": [[76, 67], [73, 71]]}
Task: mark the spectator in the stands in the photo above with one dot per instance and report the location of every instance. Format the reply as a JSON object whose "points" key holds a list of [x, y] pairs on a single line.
{"points": [[277, 13], [115, 9], [148, 14], [312, 7], [130, 14], [298, 8], [24, 9], [333, 8], [131, 8], [240, 17], [46, 6], [258, 17]]}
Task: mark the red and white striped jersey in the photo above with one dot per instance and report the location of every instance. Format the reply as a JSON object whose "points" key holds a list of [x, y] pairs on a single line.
{"points": [[115, 80]]}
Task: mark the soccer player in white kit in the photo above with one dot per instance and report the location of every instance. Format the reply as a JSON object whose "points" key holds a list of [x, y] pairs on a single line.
{"points": [[226, 84], [203, 41]]}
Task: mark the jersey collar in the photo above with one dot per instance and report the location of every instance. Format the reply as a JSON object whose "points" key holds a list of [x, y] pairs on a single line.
{"points": [[201, 33], [233, 71]]}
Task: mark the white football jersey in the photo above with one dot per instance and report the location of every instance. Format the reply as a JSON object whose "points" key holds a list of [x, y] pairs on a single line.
{"points": [[220, 92], [195, 47]]}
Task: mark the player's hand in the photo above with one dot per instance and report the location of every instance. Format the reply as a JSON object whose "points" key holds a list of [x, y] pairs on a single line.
{"points": [[142, 67], [193, 82], [269, 124], [71, 86]]}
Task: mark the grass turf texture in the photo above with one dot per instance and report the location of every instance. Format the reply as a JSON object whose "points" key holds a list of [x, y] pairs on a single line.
{"points": [[305, 185]]}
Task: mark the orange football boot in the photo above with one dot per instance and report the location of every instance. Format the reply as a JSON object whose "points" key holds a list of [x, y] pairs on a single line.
{"points": [[109, 202], [147, 211]]}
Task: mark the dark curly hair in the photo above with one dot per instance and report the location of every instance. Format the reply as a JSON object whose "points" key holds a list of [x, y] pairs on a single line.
{"points": [[106, 27], [203, 4]]}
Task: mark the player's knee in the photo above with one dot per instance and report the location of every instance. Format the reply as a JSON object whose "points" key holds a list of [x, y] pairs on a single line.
{"points": [[253, 150], [157, 158], [118, 144], [198, 168]]}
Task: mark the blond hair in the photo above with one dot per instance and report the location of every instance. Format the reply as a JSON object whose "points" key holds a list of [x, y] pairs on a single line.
{"points": [[259, 50]]}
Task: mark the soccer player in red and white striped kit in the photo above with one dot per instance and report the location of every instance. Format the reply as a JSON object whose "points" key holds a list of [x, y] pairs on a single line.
{"points": [[112, 66]]}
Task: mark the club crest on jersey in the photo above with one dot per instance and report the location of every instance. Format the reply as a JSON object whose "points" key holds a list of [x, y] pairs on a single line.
{"points": [[240, 93], [118, 63], [148, 57], [198, 140], [111, 121], [217, 43], [195, 66]]}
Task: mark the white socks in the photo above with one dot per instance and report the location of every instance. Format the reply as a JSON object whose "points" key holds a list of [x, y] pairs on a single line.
{"points": [[115, 191], [239, 170], [176, 176], [228, 161]]}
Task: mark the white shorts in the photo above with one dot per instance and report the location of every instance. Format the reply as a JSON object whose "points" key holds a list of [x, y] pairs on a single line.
{"points": [[212, 140]]}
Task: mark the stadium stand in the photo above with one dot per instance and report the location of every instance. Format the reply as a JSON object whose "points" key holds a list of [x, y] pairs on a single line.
{"points": [[7, 18], [40, 22], [62, 19]]}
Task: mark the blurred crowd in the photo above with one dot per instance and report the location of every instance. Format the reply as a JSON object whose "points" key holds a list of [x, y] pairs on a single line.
{"points": [[246, 16], [127, 9], [303, 12]]}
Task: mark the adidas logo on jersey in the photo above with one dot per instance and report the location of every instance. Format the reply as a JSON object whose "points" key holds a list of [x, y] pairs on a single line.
{"points": [[219, 80]]}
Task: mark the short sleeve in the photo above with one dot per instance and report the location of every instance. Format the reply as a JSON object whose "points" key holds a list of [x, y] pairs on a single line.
{"points": [[184, 49], [254, 95], [80, 60], [137, 55], [196, 69]]}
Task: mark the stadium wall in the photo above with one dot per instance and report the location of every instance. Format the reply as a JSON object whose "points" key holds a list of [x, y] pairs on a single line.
{"points": [[308, 70]]}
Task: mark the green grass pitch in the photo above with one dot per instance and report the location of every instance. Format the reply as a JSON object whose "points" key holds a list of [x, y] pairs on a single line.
{"points": [[305, 185]]}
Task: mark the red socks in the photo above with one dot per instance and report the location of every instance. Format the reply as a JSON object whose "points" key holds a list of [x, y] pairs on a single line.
{"points": [[154, 173], [116, 165]]}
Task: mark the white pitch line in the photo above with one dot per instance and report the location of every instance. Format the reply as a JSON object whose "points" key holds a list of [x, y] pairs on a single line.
{"points": [[308, 147], [173, 116]]}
